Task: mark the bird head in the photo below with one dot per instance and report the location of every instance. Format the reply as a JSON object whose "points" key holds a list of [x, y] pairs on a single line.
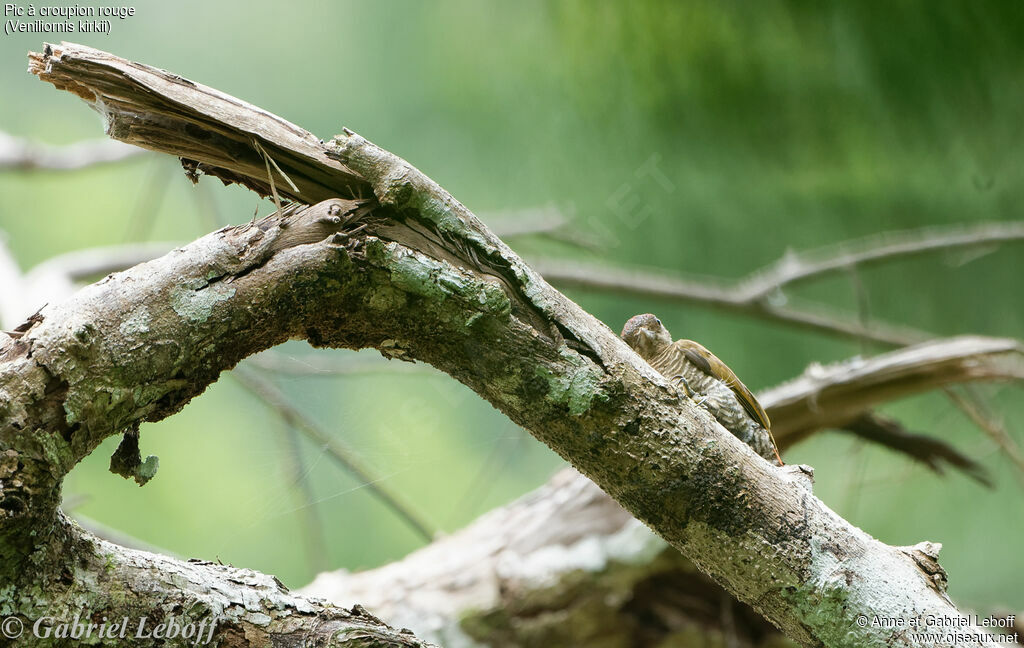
{"points": [[646, 335]]}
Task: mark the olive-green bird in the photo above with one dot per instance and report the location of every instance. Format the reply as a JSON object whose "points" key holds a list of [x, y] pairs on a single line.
{"points": [[705, 378]]}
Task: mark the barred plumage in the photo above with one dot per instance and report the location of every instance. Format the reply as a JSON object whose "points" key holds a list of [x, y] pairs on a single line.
{"points": [[706, 379]]}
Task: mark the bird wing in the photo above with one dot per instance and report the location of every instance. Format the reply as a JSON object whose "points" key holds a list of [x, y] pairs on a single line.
{"points": [[697, 355]]}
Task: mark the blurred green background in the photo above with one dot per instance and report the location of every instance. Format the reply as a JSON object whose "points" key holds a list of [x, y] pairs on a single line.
{"points": [[791, 126]]}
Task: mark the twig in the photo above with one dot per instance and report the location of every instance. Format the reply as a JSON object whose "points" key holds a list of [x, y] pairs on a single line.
{"points": [[267, 160], [272, 397], [526, 221], [812, 264], [971, 404], [751, 295], [549, 221], [719, 294], [316, 548], [933, 453], [149, 198], [24, 154]]}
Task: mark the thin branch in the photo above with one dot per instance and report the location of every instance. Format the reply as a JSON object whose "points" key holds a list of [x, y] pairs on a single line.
{"points": [[273, 398], [797, 267], [719, 294], [973, 406], [753, 294], [24, 154], [549, 221], [149, 198], [316, 547], [934, 453], [526, 221]]}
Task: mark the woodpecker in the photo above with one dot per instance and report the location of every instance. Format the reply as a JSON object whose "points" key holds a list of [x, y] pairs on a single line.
{"points": [[706, 379]]}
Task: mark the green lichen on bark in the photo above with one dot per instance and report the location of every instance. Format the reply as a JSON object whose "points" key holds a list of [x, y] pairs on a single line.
{"points": [[824, 608], [422, 276], [576, 388]]}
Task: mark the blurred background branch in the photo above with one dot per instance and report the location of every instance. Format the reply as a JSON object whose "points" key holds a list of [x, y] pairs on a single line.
{"points": [[704, 292], [328, 443], [796, 267], [24, 154]]}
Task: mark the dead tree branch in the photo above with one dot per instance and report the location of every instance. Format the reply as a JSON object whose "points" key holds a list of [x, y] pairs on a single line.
{"points": [[833, 396], [404, 268], [58, 277], [934, 453]]}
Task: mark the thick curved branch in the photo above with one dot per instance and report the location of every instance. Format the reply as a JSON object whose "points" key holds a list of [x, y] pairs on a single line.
{"points": [[58, 277], [419, 278]]}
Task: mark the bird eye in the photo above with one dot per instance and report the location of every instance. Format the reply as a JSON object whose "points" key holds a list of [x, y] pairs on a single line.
{"points": [[657, 320]]}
